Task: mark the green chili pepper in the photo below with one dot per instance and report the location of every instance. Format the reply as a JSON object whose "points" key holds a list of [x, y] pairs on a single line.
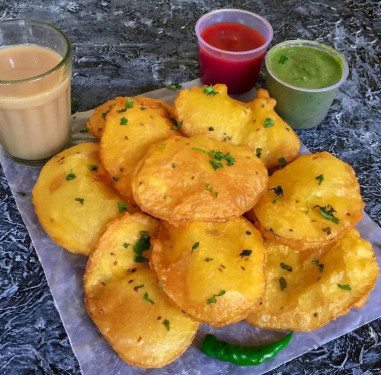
{"points": [[242, 355]]}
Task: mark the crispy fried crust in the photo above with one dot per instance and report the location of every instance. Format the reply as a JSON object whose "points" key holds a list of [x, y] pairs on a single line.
{"points": [[225, 119], [129, 134], [294, 217], [175, 181], [74, 198], [125, 302], [312, 296], [201, 260]]}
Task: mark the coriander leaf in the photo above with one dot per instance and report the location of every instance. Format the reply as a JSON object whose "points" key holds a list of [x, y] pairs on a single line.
{"points": [[308, 208], [21, 193], [258, 152], [345, 286], [211, 129], [208, 188], [229, 138], [174, 86], [162, 147], [147, 298], [161, 286], [215, 194], [317, 263], [327, 212], [116, 179], [277, 190], [178, 125], [173, 165], [84, 130], [70, 176], [245, 253], [129, 103], [143, 244], [122, 207], [282, 283], [268, 122], [276, 199], [208, 259], [104, 114], [80, 200], [282, 161], [166, 324], [271, 230], [213, 299], [209, 90], [327, 230], [92, 167], [379, 245], [167, 196], [216, 164], [123, 121], [282, 59], [125, 245], [138, 287], [195, 246], [286, 267], [320, 178]]}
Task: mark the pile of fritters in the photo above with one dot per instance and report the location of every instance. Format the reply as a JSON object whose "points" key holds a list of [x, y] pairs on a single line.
{"points": [[218, 241]]}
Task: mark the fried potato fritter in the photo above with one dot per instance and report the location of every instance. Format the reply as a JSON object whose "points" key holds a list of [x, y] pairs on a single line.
{"points": [[74, 198], [131, 128], [125, 302], [212, 271], [306, 290], [198, 178], [310, 203], [255, 123]]}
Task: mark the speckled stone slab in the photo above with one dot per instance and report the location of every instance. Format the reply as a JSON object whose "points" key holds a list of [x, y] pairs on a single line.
{"points": [[64, 272]]}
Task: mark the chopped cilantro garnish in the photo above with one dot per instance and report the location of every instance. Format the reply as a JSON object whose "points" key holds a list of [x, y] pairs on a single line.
{"points": [[70, 176], [208, 259], [286, 267], [74, 105], [379, 245], [173, 165], [125, 245], [116, 179], [258, 152], [276, 199], [122, 207], [219, 156], [345, 286], [245, 253], [162, 147], [138, 287], [161, 286], [327, 230], [327, 212], [166, 324], [211, 129], [104, 114], [129, 103], [84, 130], [282, 161], [213, 298], [174, 86], [195, 246], [142, 245], [320, 178], [123, 121], [178, 125], [317, 263], [216, 164], [271, 230], [282, 283], [282, 59], [208, 188], [268, 122], [80, 200], [229, 137], [167, 196], [209, 90], [277, 190], [148, 299], [92, 167], [21, 193], [308, 208]]}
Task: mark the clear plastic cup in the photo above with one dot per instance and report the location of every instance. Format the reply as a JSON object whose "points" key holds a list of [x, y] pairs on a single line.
{"points": [[238, 70], [303, 108]]}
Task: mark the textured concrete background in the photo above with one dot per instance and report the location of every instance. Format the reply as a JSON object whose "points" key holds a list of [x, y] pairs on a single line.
{"points": [[125, 48]]}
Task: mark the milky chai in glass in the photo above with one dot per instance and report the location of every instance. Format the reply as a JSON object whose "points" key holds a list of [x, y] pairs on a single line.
{"points": [[35, 96]]}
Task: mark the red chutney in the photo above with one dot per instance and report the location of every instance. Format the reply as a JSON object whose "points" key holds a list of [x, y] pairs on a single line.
{"points": [[238, 75]]}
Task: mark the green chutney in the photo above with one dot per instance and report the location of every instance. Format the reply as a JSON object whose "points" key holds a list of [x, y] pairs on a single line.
{"points": [[305, 67]]}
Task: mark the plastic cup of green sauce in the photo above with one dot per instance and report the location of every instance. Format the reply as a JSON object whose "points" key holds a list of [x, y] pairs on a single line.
{"points": [[303, 76]]}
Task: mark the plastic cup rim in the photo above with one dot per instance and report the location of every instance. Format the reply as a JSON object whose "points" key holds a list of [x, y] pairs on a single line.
{"points": [[233, 53], [50, 71], [314, 43]]}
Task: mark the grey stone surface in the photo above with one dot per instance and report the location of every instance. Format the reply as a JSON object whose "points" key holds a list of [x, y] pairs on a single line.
{"points": [[125, 48]]}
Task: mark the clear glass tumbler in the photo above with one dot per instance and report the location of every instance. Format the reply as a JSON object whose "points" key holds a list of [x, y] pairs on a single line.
{"points": [[35, 77]]}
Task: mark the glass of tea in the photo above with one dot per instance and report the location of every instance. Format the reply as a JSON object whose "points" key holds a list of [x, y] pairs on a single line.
{"points": [[232, 44], [35, 76]]}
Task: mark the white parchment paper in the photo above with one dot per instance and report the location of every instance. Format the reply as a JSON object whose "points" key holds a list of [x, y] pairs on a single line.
{"points": [[64, 272]]}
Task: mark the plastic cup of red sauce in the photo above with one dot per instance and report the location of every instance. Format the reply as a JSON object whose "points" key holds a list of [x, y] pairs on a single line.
{"points": [[232, 44]]}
